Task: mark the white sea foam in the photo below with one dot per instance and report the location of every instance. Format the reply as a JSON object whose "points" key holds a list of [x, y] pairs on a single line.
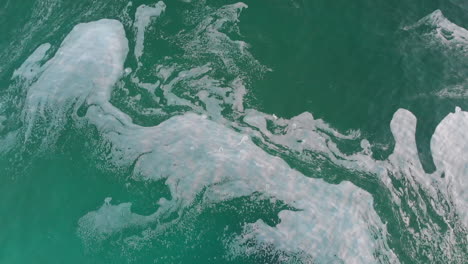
{"points": [[2, 119], [211, 39], [41, 12], [442, 29], [238, 97], [209, 47], [449, 146], [454, 92], [143, 16], [85, 67], [449, 151], [300, 133], [449, 43], [8, 141], [194, 154], [303, 133], [108, 219], [31, 66], [197, 156]]}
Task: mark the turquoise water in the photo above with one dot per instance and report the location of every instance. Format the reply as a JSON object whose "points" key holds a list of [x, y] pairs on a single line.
{"points": [[278, 131]]}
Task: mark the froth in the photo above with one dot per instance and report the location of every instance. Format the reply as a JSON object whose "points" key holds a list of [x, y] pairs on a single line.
{"points": [[196, 156], [84, 69], [143, 17]]}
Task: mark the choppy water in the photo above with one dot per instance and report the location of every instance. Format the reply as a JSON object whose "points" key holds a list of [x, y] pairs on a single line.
{"points": [[270, 131]]}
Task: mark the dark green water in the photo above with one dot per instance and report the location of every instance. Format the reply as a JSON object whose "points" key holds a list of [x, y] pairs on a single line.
{"points": [[223, 132]]}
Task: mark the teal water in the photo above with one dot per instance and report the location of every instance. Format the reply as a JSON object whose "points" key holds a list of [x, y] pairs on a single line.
{"points": [[280, 131]]}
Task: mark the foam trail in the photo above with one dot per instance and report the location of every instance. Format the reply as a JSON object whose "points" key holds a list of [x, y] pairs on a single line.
{"points": [[449, 146], [209, 48], [84, 69], [210, 39], [454, 92], [228, 165], [8, 141], [143, 16], [450, 42], [104, 222], [195, 156], [31, 67], [416, 190], [300, 133], [303, 133], [442, 29]]}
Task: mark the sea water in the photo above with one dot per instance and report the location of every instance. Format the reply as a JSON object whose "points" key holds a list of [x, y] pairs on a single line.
{"points": [[210, 131]]}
